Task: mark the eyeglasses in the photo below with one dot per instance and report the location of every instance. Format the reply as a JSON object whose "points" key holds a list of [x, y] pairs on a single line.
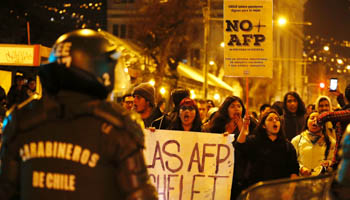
{"points": [[190, 108]]}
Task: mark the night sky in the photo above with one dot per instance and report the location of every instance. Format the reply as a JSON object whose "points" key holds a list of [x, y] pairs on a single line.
{"points": [[330, 18]]}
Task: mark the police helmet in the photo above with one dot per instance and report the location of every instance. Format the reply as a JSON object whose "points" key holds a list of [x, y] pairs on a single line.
{"points": [[84, 61]]}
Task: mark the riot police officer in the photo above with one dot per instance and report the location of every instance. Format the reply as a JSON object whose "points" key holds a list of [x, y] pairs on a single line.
{"points": [[72, 144]]}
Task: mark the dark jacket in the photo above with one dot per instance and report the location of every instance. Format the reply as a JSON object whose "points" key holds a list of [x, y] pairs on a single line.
{"points": [[292, 125], [269, 159], [73, 146], [155, 114], [162, 122]]}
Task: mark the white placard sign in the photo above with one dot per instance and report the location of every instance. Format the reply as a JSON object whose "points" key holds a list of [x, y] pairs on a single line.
{"points": [[189, 165]]}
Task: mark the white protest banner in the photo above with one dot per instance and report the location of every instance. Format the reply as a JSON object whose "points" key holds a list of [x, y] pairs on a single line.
{"points": [[248, 38], [189, 165]]}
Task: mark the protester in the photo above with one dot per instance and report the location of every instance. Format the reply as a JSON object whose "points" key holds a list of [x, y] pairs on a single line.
{"points": [[203, 109], [188, 118], [315, 149], [176, 97], [294, 115], [264, 109], [323, 104], [128, 101], [309, 109], [31, 87], [270, 154], [72, 144], [144, 103], [278, 107], [342, 118], [229, 119], [210, 104]]}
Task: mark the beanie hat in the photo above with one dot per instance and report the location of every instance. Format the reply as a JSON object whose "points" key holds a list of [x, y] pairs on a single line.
{"points": [[178, 94], [146, 91]]}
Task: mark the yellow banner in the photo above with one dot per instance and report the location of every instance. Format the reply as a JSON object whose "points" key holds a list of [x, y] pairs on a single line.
{"points": [[248, 38], [189, 165]]}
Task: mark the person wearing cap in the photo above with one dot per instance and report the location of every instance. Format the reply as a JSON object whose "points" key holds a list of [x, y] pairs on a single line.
{"points": [[164, 121], [144, 103], [188, 118]]}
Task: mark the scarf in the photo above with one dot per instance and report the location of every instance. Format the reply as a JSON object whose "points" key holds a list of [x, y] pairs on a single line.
{"points": [[313, 137]]}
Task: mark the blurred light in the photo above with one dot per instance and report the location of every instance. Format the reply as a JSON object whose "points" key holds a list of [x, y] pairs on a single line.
{"points": [[162, 90], [282, 21], [340, 61], [348, 67], [338, 70], [52, 19], [193, 96], [326, 48], [211, 62], [67, 5], [126, 70], [217, 96], [152, 82], [322, 85], [90, 4], [222, 44]]}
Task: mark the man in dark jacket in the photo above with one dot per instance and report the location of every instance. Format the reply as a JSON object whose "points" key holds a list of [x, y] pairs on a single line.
{"points": [[144, 103], [72, 144]]}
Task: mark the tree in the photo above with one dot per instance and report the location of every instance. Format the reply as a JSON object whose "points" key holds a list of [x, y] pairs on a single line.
{"points": [[165, 30]]}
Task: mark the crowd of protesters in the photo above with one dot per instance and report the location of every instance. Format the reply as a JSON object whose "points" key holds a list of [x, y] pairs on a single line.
{"points": [[286, 139]]}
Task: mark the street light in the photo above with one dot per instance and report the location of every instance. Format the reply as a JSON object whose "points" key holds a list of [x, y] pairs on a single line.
{"points": [[282, 21], [162, 90], [326, 48], [340, 61], [222, 44], [152, 82]]}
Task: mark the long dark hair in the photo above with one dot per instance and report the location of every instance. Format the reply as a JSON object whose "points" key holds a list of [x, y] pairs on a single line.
{"points": [[176, 124], [260, 130], [221, 117], [325, 135], [301, 106]]}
